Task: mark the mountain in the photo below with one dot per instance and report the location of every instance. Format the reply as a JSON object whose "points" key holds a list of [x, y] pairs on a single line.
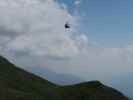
{"points": [[17, 84], [57, 78], [123, 83]]}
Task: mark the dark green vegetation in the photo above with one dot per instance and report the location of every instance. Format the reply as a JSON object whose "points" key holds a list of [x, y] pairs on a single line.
{"points": [[17, 84]]}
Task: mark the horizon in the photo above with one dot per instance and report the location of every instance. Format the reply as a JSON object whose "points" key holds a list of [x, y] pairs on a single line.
{"points": [[98, 45]]}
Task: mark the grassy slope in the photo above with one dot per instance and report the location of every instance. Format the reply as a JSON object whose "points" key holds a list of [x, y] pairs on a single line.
{"points": [[17, 84]]}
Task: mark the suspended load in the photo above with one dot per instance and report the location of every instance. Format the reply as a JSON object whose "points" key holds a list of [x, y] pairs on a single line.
{"points": [[77, 4], [67, 25]]}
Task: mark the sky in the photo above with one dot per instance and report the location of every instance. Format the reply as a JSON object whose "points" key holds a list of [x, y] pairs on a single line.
{"points": [[107, 22], [98, 46]]}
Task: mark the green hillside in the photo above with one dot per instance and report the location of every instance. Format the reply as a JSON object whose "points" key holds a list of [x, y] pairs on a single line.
{"points": [[17, 84]]}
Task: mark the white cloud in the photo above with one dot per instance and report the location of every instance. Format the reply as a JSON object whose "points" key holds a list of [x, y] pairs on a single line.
{"points": [[32, 34], [37, 27]]}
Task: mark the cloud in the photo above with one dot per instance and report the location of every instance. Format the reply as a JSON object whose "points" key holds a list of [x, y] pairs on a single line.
{"points": [[32, 34], [36, 27]]}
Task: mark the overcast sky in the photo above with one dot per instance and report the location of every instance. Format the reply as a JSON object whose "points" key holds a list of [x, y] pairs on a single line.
{"points": [[32, 34]]}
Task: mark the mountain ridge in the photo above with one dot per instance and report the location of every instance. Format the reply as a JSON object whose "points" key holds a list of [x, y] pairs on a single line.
{"points": [[17, 84]]}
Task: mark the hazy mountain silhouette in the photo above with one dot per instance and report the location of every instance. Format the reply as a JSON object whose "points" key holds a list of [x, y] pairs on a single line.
{"points": [[124, 83], [57, 78], [17, 84]]}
